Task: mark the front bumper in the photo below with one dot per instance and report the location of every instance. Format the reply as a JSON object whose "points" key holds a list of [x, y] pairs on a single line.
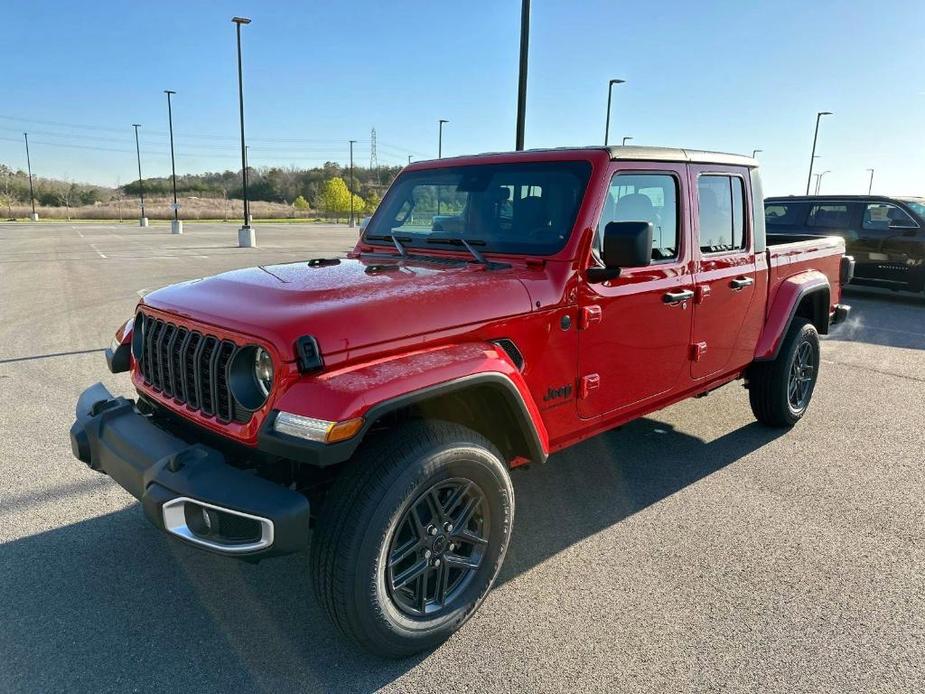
{"points": [[187, 490]]}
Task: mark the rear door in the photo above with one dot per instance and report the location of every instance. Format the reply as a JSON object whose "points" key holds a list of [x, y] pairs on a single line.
{"points": [[634, 339], [890, 245], [724, 268]]}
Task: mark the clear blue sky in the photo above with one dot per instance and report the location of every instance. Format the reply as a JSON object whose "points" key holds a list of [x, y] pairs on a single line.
{"points": [[725, 75]]}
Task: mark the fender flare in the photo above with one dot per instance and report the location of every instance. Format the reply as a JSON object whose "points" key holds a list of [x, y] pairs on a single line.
{"points": [[494, 379], [780, 315], [497, 372]]}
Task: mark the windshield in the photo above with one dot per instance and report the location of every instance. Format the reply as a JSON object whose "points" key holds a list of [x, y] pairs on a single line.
{"points": [[509, 208], [918, 206]]}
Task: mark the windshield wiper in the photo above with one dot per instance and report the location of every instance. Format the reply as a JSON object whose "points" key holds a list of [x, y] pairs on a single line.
{"points": [[467, 244], [395, 241]]}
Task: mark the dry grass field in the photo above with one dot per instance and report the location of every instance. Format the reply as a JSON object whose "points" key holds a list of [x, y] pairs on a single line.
{"points": [[191, 208]]}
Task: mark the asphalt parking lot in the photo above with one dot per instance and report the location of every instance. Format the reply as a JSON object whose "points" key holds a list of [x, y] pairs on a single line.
{"points": [[693, 550]]}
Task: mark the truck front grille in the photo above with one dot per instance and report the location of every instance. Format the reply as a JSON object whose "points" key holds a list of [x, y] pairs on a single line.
{"points": [[189, 367]]}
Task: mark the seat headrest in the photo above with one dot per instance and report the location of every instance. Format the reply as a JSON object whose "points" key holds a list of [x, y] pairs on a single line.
{"points": [[634, 207], [531, 213]]}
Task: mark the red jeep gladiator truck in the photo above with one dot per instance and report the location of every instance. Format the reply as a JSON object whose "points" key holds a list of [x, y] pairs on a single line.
{"points": [[496, 309]]}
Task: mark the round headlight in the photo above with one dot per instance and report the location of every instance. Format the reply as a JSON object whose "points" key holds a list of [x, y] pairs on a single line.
{"points": [[250, 377], [263, 370]]}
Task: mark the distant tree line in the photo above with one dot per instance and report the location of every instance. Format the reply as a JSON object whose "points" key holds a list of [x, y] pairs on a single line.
{"points": [[325, 188], [49, 192], [275, 184]]}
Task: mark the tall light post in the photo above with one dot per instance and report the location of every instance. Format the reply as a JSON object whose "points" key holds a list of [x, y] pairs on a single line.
{"points": [[812, 158], [610, 86], [350, 187], [628, 137], [440, 141], [870, 185], [247, 238], [522, 76], [819, 180], [440, 137], [755, 152], [176, 226], [143, 221], [409, 160], [35, 215], [9, 197]]}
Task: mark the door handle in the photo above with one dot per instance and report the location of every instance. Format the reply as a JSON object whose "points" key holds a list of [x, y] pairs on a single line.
{"points": [[741, 282], [677, 297]]}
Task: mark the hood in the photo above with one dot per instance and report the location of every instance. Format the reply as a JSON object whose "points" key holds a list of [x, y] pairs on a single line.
{"points": [[348, 303]]}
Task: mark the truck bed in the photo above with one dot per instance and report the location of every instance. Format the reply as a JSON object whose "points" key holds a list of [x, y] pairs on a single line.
{"points": [[788, 255]]}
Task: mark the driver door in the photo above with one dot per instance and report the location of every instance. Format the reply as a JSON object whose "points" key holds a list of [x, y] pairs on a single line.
{"points": [[633, 344]]}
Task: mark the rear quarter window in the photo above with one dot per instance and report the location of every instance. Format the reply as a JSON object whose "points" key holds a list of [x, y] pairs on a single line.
{"points": [[784, 213]]}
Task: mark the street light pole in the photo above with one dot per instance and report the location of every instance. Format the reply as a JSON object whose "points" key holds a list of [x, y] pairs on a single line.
{"points": [[870, 186], [350, 187], [440, 146], [812, 158], [35, 216], [609, 96], [176, 226], [755, 152], [628, 137], [440, 137], [522, 79], [819, 181], [409, 160], [143, 222], [246, 236]]}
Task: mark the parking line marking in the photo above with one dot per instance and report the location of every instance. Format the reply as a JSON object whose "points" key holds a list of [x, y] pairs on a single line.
{"points": [[93, 246]]}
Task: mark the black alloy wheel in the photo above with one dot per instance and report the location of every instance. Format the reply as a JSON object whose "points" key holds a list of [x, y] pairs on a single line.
{"points": [[437, 546], [802, 376], [780, 390], [411, 536]]}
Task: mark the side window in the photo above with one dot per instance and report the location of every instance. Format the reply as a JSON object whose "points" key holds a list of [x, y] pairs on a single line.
{"points": [[646, 198], [784, 213], [773, 214], [834, 216], [722, 213], [882, 215]]}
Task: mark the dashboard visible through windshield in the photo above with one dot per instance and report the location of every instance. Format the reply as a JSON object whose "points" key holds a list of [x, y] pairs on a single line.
{"points": [[525, 208]]}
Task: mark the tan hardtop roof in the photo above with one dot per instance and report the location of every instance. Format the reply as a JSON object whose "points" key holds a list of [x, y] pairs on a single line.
{"points": [[632, 153], [692, 156]]}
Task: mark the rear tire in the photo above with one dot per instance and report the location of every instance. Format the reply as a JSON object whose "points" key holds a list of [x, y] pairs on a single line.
{"points": [[390, 569], [780, 390]]}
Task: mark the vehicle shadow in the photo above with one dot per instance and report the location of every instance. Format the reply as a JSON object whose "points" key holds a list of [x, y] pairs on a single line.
{"points": [[881, 317], [606, 479], [111, 604]]}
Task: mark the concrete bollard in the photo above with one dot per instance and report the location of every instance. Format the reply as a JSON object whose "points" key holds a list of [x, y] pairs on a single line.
{"points": [[143, 222], [247, 237], [34, 216], [176, 226]]}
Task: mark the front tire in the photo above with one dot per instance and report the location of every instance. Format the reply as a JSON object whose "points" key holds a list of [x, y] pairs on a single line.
{"points": [[412, 536], [780, 390]]}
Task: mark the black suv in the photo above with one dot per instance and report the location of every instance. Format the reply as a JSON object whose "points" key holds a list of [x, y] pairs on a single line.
{"points": [[886, 236]]}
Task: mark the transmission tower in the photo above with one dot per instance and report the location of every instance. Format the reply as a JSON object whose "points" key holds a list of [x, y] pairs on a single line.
{"points": [[373, 159]]}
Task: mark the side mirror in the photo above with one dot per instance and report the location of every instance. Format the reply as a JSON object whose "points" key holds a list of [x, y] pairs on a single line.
{"points": [[626, 244]]}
